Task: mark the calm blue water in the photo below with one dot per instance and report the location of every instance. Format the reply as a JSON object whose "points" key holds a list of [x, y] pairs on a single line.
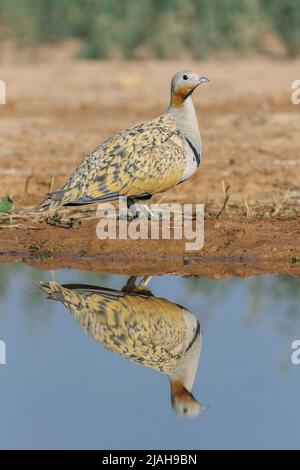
{"points": [[61, 389]]}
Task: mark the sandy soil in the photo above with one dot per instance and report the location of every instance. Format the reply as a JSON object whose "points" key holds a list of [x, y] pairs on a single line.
{"points": [[232, 247], [58, 109]]}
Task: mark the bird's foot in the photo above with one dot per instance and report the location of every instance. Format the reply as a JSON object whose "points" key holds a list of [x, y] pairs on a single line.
{"points": [[129, 216], [151, 213], [133, 214], [142, 286], [130, 285], [145, 213], [144, 282]]}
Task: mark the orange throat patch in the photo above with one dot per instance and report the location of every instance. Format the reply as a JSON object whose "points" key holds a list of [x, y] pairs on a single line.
{"points": [[180, 95], [180, 392]]}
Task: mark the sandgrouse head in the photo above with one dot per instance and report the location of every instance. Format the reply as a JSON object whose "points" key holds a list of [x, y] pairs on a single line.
{"points": [[183, 84]]}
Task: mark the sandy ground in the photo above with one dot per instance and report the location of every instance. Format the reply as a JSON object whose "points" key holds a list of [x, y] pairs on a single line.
{"points": [[58, 109], [232, 247]]}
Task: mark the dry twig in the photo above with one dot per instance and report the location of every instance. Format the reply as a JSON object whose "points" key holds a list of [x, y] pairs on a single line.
{"points": [[226, 191]]}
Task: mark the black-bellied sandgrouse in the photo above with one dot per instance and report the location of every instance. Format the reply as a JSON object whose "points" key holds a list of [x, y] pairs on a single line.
{"points": [[143, 160], [146, 329]]}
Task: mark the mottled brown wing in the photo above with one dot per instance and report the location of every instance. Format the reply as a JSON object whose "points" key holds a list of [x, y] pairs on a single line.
{"points": [[149, 158]]}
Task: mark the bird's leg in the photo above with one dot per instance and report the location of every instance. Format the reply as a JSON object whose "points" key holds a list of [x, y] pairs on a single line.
{"points": [[144, 282], [132, 212], [155, 215], [164, 214], [130, 285], [142, 286]]}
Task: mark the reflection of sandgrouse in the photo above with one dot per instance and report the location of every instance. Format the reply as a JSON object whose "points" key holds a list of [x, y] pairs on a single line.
{"points": [[144, 328], [143, 160]]}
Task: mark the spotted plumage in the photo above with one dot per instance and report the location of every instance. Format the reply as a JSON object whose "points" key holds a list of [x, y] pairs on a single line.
{"points": [[141, 161], [135, 324]]}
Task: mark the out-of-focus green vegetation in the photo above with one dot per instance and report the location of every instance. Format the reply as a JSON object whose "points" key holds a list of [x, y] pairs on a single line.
{"points": [[285, 17], [164, 29]]}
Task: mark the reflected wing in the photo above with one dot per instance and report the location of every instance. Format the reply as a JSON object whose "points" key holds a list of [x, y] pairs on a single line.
{"points": [[144, 328]]}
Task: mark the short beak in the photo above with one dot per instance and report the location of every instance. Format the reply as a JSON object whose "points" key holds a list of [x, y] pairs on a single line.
{"points": [[203, 80]]}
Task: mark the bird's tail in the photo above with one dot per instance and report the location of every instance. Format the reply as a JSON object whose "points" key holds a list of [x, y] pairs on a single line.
{"points": [[53, 290], [80, 306], [48, 204], [66, 294]]}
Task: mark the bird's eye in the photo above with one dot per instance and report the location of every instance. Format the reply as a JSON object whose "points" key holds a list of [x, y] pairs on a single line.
{"points": [[185, 77], [185, 410]]}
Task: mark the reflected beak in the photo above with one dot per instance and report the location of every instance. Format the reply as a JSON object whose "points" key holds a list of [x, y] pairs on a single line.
{"points": [[203, 80]]}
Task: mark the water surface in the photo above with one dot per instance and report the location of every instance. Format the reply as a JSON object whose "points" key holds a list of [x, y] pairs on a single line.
{"points": [[62, 389]]}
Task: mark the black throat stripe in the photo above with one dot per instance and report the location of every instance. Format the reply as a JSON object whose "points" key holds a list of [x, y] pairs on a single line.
{"points": [[196, 154], [197, 332]]}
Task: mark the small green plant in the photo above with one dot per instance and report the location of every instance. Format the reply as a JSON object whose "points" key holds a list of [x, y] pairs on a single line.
{"points": [[7, 205], [48, 253], [34, 249]]}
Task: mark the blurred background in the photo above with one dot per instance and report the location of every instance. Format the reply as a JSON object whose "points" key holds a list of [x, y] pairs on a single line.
{"points": [[152, 28]]}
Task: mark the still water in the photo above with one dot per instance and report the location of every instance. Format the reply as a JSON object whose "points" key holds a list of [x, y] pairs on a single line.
{"points": [[61, 388]]}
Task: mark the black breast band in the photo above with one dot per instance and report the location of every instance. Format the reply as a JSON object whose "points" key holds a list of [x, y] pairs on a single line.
{"points": [[196, 154]]}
